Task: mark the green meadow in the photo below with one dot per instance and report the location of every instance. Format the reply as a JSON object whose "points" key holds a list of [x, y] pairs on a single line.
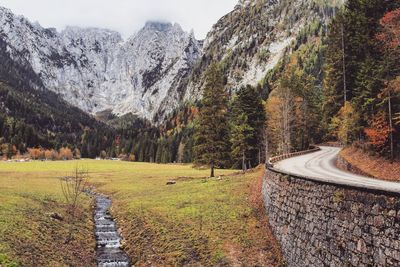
{"points": [[197, 221]]}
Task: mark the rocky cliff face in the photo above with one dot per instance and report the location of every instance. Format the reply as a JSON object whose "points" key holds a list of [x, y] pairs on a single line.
{"points": [[252, 39], [97, 71]]}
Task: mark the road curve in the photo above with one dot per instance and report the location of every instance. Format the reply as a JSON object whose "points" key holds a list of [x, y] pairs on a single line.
{"points": [[320, 166]]}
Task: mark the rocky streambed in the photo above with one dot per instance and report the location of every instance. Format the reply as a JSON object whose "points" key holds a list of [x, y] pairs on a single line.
{"points": [[109, 251]]}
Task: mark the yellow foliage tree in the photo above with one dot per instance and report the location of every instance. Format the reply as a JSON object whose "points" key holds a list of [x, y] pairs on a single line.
{"points": [[345, 124], [274, 124]]}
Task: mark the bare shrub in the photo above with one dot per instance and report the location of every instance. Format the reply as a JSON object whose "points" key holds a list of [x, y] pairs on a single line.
{"points": [[73, 187]]}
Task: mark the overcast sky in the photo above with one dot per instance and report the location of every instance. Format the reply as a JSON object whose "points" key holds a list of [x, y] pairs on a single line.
{"points": [[125, 16]]}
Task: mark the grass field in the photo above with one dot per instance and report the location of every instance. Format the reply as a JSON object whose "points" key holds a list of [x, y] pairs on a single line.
{"points": [[197, 221]]}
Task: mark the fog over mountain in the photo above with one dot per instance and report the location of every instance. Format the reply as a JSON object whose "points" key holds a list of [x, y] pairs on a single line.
{"points": [[124, 16]]}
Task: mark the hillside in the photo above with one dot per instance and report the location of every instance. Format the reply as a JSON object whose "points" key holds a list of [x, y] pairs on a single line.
{"points": [[252, 39], [31, 118]]}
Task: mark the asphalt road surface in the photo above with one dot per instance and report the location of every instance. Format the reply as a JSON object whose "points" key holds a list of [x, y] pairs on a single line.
{"points": [[321, 166]]}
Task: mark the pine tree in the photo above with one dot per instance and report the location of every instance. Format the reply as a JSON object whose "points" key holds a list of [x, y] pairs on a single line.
{"points": [[241, 139], [333, 69], [248, 105], [211, 137]]}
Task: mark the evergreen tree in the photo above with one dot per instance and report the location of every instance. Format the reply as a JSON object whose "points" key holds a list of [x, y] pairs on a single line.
{"points": [[334, 69], [247, 113], [241, 139], [211, 137]]}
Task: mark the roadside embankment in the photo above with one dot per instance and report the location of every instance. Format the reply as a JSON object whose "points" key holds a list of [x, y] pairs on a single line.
{"points": [[356, 161]]}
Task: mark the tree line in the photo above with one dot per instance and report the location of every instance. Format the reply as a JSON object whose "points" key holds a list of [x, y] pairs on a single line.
{"points": [[362, 74]]}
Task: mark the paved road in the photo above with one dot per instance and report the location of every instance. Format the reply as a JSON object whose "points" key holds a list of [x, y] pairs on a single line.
{"points": [[321, 166]]}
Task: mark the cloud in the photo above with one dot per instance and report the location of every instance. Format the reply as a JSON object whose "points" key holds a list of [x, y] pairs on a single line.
{"points": [[125, 16]]}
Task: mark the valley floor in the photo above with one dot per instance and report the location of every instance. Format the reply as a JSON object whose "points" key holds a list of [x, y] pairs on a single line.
{"points": [[202, 221]]}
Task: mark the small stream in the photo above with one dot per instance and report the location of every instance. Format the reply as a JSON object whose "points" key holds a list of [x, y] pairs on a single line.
{"points": [[109, 251]]}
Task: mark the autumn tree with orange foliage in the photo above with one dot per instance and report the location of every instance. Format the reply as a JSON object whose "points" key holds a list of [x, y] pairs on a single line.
{"points": [[51, 154], [48, 154], [390, 39], [390, 34], [66, 153], [379, 132], [35, 153]]}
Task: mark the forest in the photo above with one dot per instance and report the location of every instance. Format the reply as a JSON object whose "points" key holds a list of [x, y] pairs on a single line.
{"points": [[337, 83]]}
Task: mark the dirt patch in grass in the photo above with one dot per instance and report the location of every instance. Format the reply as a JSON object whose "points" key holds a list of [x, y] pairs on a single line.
{"points": [[374, 166]]}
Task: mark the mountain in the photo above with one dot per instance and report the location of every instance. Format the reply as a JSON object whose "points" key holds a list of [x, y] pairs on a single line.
{"points": [[157, 74], [97, 71], [251, 40], [151, 73]]}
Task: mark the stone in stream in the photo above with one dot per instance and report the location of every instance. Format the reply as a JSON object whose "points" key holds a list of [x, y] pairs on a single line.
{"points": [[109, 252]]}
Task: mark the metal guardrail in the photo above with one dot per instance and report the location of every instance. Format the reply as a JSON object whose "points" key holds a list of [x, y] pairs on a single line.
{"points": [[271, 161]]}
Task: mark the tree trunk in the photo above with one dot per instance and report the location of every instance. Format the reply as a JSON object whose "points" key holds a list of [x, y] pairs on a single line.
{"points": [[391, 128], [243, 162], [266, 145], [344, 67], [212, 171], [287, 106]]}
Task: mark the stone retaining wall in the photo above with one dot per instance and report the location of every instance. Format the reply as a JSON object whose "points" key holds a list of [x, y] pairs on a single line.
{"points": [[319, 224]]}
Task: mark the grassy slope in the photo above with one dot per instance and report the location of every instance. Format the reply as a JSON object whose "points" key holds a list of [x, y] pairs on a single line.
{"points": [[29, 236], [377, 167], [195, 221]]}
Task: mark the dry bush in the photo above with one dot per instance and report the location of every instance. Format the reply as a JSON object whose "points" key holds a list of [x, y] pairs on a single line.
{"points": [[77, 153], [123, 157], [103, 154], [36, 153], [65, 153], [132, 157], [73, 187]]}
